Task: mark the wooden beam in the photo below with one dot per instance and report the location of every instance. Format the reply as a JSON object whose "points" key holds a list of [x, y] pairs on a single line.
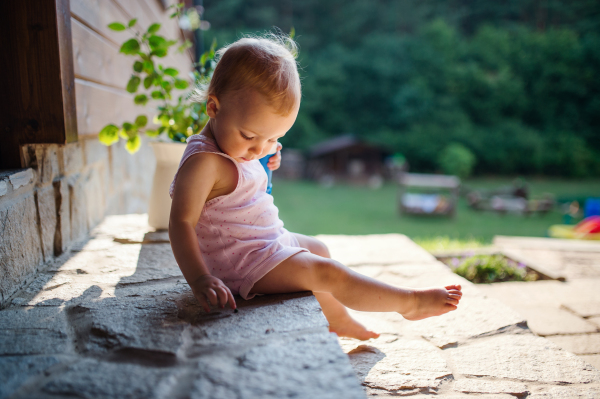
{"points": [[38, 85]]}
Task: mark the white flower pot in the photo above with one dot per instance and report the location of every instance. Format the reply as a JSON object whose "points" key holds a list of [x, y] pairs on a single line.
{"points": [[168, 155]]}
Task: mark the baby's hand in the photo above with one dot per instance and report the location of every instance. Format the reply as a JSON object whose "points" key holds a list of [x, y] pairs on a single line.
{"points": [[209, 290], [275, 160]]}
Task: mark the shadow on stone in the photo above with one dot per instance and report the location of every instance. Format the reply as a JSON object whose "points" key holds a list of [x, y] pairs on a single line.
{"points": [[364, 358]]}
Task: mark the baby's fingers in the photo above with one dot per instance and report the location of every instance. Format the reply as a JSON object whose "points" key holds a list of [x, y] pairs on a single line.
{"points": [[230, 300], [222, 293], [204, 304], [211, 296]]}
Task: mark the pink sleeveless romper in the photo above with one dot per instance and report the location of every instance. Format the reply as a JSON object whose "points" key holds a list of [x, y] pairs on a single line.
{"points": [[240, 235]]}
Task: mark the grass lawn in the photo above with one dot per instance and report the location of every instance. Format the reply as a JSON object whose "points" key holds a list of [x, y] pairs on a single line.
{"points": [[307, 208]]}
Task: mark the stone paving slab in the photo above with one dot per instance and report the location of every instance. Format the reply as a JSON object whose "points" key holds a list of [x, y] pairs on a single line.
{"points": [[549, 320], [585, 344], [378, 249], [583, 309], [485, 346], [521, 357]]}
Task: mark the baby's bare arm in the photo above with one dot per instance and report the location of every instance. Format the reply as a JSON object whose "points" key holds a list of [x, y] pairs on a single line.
{"points": [[196, 180]]}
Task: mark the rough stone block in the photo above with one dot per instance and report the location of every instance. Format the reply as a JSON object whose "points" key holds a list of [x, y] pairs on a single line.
{"points": [[16, 370], [129, 323], [71, 157], [62, 238], [78, 207], [578, 344], [20, 244], [3, 187], [311, 366], [383, 249], [94, 151], [95, 188], [549, 320], [401, 366], [256, 320], [46, 206], [44, 159], [20, 178], [522, 357], [89, 378], [32, 332]]}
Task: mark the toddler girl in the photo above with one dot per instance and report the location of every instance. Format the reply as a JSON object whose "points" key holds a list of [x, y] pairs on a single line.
{"points": [[224, 228]]}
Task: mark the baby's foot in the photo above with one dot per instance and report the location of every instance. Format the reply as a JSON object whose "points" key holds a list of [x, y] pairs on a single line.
{"points": [[348, 327], [434, 302]]}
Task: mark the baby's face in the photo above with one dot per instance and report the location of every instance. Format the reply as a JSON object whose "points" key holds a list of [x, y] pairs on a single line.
{"points": [[245, 126]]}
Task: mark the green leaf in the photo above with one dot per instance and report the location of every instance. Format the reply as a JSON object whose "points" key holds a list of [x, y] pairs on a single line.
{"points": [[116, 26], [109, 135], [157, 95], [153, 28], [133, 84], [292, 32], [148, 67], [157, 42], [131, 46], [152, 133], [148, 81], [166, 85], [181, 84], [140, 99], [171, 72], [141, 121], [132, 22], [138, 66], [128, 127], [160, 53], [123, 134], [133, 144]]}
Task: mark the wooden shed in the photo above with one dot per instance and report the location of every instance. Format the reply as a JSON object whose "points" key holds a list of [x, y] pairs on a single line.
{"points": [[347, 158]]}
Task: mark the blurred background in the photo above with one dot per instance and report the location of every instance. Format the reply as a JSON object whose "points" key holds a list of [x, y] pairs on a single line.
{"points": [[488, 91]]}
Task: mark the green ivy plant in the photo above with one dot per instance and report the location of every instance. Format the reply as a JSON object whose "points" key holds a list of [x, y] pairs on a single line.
{"points": [[176, 117]]}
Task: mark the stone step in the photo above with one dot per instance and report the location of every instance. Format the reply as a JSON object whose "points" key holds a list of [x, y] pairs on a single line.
{"points": [[116, 319]]}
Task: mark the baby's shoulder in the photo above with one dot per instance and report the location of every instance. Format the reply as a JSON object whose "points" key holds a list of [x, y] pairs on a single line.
{"points": [[205, 168], [207, 163]]}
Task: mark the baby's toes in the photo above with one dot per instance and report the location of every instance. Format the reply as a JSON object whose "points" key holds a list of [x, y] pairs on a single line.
{"points": [[453, 301]]}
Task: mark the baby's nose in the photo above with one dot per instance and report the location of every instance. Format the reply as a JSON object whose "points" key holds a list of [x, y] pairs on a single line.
{"points": [[257, 149]]}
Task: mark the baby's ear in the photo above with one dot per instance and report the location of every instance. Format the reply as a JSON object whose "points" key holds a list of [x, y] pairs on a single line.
{"points": [[212, 106]]}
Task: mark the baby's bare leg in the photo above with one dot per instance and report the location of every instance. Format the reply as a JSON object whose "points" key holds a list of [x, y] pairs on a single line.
{"points": [[340, 322], [309, 272]]}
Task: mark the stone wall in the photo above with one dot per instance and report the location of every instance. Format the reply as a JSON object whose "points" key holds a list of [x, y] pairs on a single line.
{"points": [[65, 192]]}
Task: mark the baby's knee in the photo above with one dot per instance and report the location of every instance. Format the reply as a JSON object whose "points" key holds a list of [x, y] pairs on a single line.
{"points": [[329, 271], [319, 248]]}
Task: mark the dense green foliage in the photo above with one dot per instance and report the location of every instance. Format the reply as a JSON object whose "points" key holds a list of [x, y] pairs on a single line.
{"points": [[456, 159], [515, 82], [489, 269], [176, 117]]}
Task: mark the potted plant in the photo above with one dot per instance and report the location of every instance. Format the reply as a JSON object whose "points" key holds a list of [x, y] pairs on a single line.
{"points": [[176, 118]]}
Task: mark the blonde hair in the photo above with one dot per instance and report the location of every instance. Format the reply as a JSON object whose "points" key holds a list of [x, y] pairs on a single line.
{"points": [[265, 63]]}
